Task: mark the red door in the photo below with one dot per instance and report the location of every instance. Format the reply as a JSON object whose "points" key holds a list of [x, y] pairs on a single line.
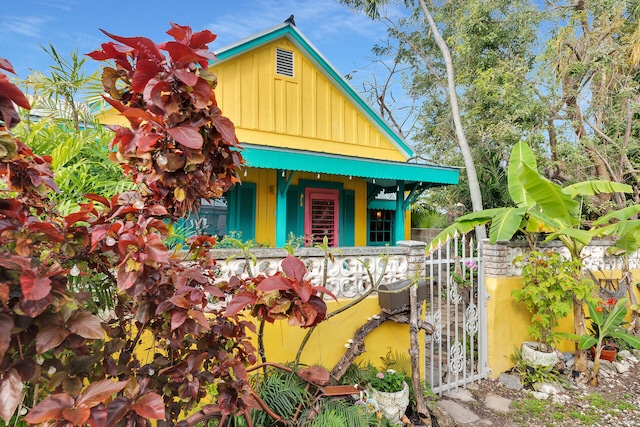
{"points": [[321, 215]]}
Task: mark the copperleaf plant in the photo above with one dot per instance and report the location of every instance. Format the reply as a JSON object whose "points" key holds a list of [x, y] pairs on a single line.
{"points": [[102, 371]]}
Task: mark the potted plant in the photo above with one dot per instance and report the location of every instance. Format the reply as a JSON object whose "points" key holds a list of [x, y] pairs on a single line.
{"points": [[548, 279], [390, 391], [605, 326]]}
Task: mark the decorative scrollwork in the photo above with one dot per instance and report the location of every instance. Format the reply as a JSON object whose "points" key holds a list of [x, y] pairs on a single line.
{"points": [[471, 324], [435, 319], [456, 358]]}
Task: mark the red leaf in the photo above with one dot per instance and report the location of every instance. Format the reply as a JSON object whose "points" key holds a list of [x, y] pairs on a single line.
{"points": [[4, 295], [6, 325], [81, 215], [37, 307], [6, 65], [50, 337], [78, 416], [185, 76], [181, 54], [86, 325], [275, 283], [203, 94], [98, 417], [10, 394], [294, 268], [146, 47], [50, 408], [226, 128], [99, 391], [145, 71], [199, 317], [48, 229], [304, 290], [178, 318], [11, 91], [200, 39], [156, 250], [147, 140], [34, 288], [180, 301], [179, 32], [187, 136], [240, 302], [150, 406]]}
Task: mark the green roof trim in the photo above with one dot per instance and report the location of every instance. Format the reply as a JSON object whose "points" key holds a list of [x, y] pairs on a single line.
{"points": [[292, 33], [383, 173]]}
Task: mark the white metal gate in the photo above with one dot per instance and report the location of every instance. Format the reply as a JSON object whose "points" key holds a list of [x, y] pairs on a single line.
{"points": [[456, 354]]}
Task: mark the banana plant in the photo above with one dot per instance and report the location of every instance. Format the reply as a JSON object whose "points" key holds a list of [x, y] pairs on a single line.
{"points": [[541, 206]]}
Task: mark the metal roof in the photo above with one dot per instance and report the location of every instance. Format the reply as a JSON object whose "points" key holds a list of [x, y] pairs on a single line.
{"points": [[383, 173]]}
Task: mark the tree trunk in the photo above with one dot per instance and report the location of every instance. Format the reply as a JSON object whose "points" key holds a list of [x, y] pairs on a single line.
{"points": [[472, 176], [421, 405]]}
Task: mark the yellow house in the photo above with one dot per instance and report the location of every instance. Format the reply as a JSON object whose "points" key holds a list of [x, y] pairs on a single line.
{"points": [[321, 162]]}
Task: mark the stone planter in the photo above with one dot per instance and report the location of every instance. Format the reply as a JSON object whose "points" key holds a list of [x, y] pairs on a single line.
{"points": [[393, 405], [534, 357]]}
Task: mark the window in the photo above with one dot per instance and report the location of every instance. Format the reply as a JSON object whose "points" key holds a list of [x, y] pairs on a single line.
{"points": [[380, 226], [211, 218], [284, 62], [321, 215]]}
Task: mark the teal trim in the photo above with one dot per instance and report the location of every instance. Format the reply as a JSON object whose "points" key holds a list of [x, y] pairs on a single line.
{"points": [[389, 205], [241, 212], [292, 33], [281, 211], [382, 173], [399, 222], [348, 234], [295, 212]]}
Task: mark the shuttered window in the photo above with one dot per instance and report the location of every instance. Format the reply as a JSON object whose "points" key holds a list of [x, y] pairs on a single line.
{"points": [[284, 62], [321, 215]]}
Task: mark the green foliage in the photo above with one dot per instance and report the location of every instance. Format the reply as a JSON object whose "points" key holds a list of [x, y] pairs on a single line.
{"points": [[548, 282], [532, 376], [388, 381], [340, 413], [423, 217], [283, 392]]}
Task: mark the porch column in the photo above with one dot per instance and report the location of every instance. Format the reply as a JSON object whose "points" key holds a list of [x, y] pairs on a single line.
{"points": [[399, 220], [281, 210]]}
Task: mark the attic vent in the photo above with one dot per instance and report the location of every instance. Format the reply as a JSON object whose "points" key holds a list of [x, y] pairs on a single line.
{"points": [[284, 62]]}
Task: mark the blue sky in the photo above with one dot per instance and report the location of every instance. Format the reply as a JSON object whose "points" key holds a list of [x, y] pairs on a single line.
{"points": [[342, 36]]}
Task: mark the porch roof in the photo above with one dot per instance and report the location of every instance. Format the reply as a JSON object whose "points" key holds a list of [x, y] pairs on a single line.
{"points": [[382, 173]]}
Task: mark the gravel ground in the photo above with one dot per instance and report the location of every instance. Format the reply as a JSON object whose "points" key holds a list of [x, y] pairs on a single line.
{"points": [[614, 402]]}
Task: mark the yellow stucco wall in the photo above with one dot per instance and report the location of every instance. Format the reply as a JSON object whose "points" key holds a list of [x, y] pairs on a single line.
{"points": [[507, 322], [327, 342], [304, 112]]}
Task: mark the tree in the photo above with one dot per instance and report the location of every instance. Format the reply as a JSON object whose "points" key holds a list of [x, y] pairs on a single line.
{"points": [[543, 207], [593, 53], [371, 7]]}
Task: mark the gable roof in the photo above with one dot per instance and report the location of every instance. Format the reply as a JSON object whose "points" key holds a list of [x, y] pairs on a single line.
{"points": [[291, 33]]}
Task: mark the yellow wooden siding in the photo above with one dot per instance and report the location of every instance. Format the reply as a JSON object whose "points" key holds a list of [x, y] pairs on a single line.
{"points": [[305, 112]]}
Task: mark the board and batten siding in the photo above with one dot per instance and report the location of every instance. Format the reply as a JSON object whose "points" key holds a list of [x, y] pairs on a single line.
{"points": [[305, 111]]}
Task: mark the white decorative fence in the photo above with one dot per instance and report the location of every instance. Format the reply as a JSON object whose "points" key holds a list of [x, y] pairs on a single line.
{"points": [[347, 274]]}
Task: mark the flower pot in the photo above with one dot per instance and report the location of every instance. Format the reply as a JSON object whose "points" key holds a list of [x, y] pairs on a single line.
{"points": [[605, 354], [535, 357], [394, 404]]}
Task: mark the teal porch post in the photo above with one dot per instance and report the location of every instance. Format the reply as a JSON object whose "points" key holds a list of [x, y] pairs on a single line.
{"points": [[281, 207], [400, 207]]}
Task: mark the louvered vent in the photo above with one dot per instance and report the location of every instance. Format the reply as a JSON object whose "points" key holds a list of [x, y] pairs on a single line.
{"points": [[284, 62]]}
